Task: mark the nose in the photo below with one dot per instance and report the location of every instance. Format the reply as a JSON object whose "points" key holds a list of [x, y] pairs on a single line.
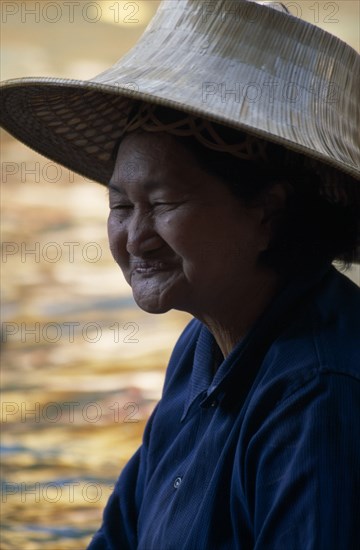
{"points": [[141, 234]]}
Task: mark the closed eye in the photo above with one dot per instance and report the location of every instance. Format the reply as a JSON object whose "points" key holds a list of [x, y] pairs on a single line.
{"points": [[173, 204], [117, 200], [121, 206]]}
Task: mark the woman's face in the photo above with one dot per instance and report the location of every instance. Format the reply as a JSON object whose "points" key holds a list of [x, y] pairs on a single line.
{"points": [[180, 237]]}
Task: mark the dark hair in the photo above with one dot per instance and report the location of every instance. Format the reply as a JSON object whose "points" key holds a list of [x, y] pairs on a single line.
{"points": [[310, 230]]}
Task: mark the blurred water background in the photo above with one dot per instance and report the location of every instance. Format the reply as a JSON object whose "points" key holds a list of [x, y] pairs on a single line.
{"points": [[82, 366]]}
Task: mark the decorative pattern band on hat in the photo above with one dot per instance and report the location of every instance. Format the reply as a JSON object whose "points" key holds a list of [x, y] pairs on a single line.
{"points": [[334, 186], [252, 68], [248, 148]]}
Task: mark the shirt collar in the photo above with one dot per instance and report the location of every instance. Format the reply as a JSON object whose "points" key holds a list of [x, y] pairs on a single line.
{"points": [[201, 375], [203, 386]]}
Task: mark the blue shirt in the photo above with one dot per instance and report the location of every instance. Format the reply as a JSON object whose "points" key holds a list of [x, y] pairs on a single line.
{"points": [[265, 454]]}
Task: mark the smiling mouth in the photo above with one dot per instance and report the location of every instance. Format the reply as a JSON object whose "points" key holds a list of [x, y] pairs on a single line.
{"points": [[151, 267]]}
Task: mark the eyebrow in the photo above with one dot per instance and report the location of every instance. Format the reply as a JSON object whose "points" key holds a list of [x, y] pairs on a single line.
{"points": [[149, 185]]}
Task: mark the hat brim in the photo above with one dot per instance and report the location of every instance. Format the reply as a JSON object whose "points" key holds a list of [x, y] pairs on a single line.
{"points": [[305, 82], [78, 123]]}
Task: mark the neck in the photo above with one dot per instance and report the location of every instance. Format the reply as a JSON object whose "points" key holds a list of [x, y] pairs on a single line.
{"points": [[231, 318]]}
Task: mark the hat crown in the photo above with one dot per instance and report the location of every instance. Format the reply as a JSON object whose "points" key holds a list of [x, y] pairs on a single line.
{"points": [[251, 65], [275, 5], [243, 64]]}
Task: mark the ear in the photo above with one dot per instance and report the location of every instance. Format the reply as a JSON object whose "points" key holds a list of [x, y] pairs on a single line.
{"points": [[273, 202]]}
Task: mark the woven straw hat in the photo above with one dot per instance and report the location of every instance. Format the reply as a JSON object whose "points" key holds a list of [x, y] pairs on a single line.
{"points": [[241, 64]]}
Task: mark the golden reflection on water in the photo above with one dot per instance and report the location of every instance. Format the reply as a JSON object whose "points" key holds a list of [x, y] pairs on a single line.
{"points": [[82, 366]]}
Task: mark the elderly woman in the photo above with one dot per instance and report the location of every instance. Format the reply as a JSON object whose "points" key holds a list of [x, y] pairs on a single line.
{"points": [[232, 210]]}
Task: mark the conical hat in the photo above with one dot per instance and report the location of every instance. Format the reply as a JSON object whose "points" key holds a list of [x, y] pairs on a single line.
{"points": [[241, 64]]}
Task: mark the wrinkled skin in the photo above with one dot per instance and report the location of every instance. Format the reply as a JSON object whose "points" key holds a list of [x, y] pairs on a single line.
{"points": [[183, 241]]}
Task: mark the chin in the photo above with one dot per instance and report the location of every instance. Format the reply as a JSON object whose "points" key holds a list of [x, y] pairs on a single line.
{"points": [[150, 307]]}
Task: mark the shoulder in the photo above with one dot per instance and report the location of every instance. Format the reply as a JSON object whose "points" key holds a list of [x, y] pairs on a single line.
{"points": [[335, 314], [323, 335], [316, 359]]}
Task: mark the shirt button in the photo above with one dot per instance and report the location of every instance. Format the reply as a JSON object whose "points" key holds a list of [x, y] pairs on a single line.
{"points": [[213, 403], [177, 482]]}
